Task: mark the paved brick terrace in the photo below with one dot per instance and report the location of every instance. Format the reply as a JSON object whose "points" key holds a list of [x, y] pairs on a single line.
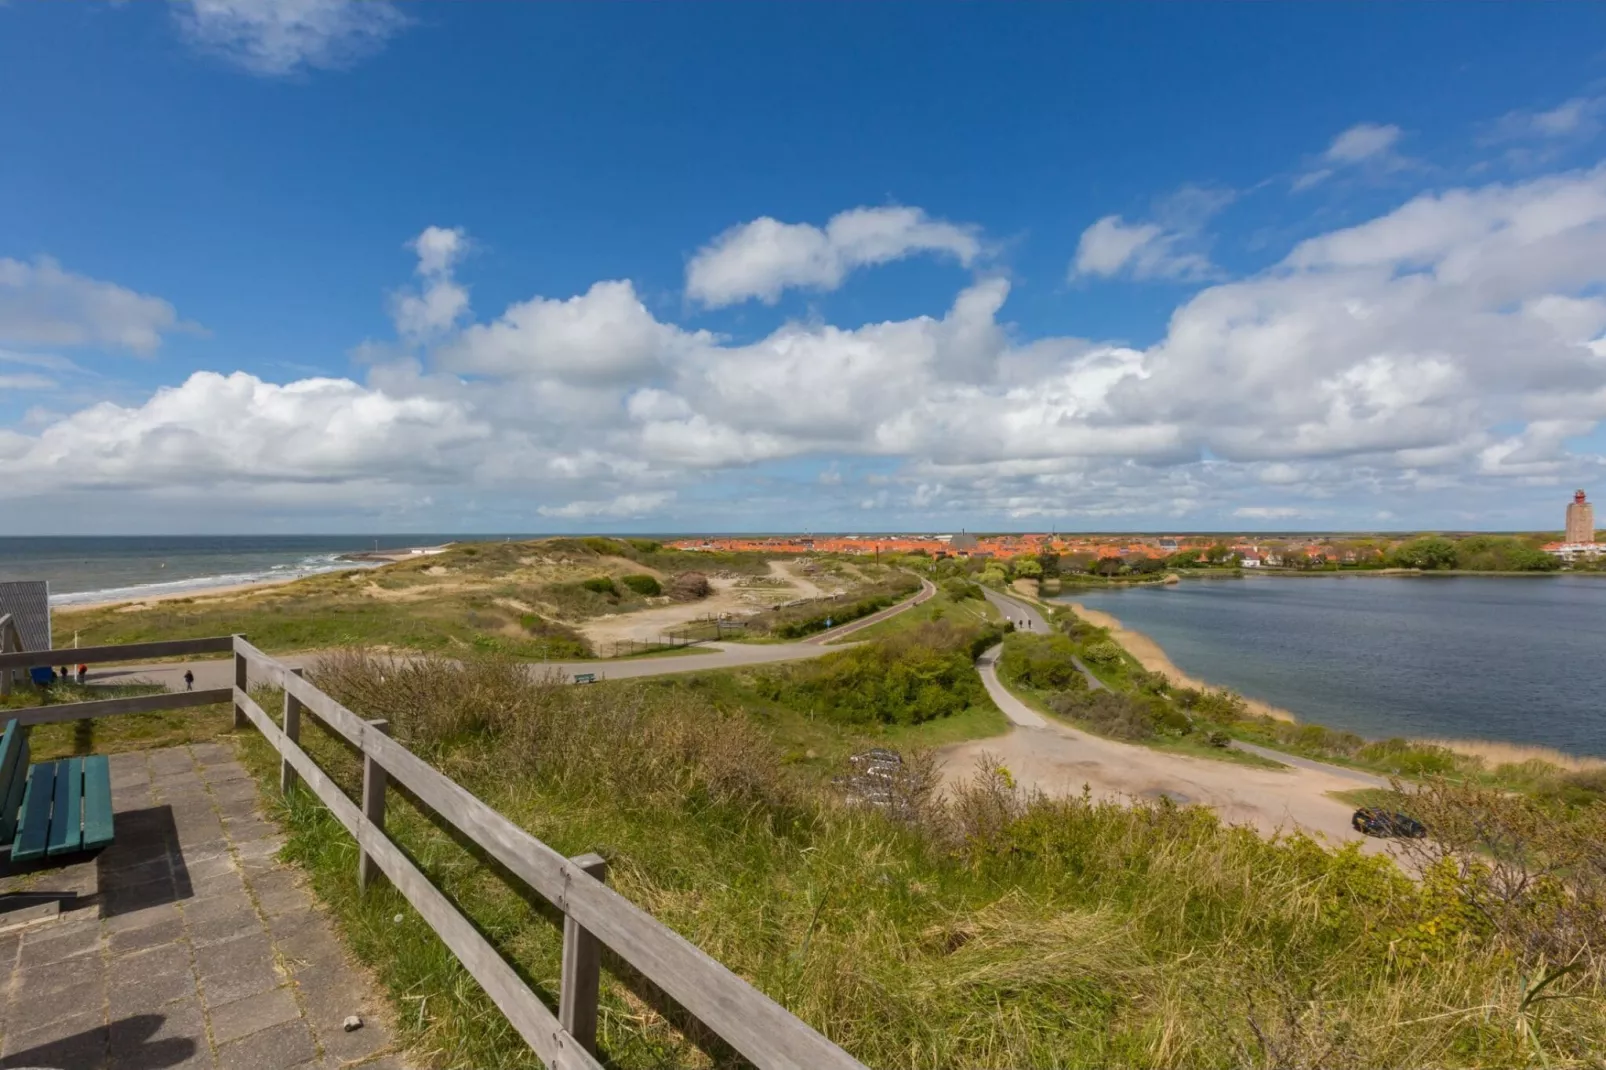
{"points": [[188, 945]]}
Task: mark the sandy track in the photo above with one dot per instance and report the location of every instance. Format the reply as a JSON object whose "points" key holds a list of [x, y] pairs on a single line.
{"points": [[1044, 755]]}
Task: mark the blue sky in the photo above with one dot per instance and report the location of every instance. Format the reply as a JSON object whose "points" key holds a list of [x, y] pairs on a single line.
{"points": [[320, 266]]}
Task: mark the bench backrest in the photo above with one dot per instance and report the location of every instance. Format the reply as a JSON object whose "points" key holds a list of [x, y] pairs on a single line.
{"points": [[13, 776]]}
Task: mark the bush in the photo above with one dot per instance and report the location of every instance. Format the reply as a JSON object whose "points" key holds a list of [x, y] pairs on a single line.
{"points": [[1042, 662], [1410, 759], [961, 589], [1108, 713], [605, 547], [911, 677], [1104, 653], [689, 587], [600, 585], [643, 585]]}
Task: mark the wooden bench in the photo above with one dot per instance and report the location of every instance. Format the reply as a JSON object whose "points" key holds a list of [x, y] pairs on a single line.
{"points": [[53, 808], [585, 677]]}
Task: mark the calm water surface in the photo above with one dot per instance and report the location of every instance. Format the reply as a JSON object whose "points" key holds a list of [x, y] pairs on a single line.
{"points": [[1514, 658]]}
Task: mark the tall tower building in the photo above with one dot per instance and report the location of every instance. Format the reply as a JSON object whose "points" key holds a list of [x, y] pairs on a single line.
{"points": [[1580, 520]]}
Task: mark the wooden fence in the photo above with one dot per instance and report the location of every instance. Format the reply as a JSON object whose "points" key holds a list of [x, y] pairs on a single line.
{"points": [[595, 916]]}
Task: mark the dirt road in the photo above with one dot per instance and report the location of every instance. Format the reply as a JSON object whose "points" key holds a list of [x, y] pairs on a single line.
{"points": [[1054, 758], [1050, 757]]}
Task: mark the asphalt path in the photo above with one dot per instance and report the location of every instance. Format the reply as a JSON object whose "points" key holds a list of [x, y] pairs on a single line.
{"points": [[1027, 619]]}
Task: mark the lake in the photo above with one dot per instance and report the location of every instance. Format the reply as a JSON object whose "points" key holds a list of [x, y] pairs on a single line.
{"points": [[1507, 658]]}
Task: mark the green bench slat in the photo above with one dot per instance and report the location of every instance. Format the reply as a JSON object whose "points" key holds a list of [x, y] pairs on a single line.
{"points": [[67, 817], [35, 821], [13, 777], [97, 802]]}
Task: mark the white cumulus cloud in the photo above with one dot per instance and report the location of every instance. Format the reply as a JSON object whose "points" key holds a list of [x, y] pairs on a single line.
{"points": [[764, 257], [43, 305]]}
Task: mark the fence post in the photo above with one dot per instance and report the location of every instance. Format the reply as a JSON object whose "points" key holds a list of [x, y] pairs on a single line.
{"points": [[292, 732], [373, 805], [582, 969], [240, 680]]}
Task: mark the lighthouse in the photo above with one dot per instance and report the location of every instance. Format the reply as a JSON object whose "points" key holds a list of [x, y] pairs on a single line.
{"points": [[1580, 521]]}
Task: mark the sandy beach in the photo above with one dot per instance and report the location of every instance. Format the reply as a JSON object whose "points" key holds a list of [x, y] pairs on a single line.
{"points": [[197, 593]]}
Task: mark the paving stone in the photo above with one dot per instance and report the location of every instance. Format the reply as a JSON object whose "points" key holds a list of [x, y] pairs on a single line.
{"points": [[85, 1050], [252, 1014], [327, 1020], [249, 831], [57, 941], [145, 937], [146, 905], [29, 1035], [215, 865], [159, 867], [235, 969], [213, 753], [279, 892], [221, 885], [43, 980], [125, 854], [170, 760], [223, 928], [152, 992], [279, 1048], [174, 1036], [167, 959]]}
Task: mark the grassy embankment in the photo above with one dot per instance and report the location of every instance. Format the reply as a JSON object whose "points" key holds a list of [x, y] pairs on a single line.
{"points": [[521, 599], [987, 930]]}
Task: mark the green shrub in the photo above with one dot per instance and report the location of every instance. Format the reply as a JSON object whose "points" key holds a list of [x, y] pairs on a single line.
{"points": [[1108, 713], [645, 546], [1042, 662], [1410, 759], [643, 585], [1103, 653], [961, 589], [605, 547], [910, 677], [600, 585]]}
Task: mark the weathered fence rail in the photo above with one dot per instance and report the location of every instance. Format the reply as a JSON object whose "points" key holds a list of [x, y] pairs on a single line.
{"points": [[595, 916]]}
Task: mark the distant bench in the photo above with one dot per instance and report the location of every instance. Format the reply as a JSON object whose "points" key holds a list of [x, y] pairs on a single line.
{"points": [[585, 677], [52, 808]]}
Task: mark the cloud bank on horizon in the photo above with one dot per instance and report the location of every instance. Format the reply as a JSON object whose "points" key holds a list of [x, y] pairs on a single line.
{"points": [[1454, 339]]}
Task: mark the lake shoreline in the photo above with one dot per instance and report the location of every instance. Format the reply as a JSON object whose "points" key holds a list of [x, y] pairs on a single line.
{"points": [[1152, 656]]}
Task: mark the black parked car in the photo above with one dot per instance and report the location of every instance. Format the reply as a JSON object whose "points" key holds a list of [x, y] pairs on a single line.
{"points": [[1374, 822]]}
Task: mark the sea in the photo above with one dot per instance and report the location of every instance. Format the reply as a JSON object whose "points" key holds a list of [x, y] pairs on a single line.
{"points": [[1516, 659], [83, 569]]}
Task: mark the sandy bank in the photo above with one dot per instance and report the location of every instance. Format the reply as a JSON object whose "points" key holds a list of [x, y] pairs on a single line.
{"points": [[1153, 658]]}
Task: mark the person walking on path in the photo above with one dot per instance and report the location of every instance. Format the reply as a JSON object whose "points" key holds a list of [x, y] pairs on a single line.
{"points": [[189, 680]]}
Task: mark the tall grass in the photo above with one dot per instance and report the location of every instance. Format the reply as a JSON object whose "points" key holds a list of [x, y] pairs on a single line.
{"points": [[988, 929]]}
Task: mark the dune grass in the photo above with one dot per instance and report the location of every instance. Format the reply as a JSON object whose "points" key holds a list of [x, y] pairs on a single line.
{"points": [[989, 931]]}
